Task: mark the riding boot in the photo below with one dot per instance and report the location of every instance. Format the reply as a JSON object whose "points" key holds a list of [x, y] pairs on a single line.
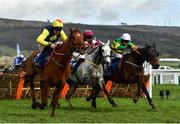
{"points": [[77, 65], [115, 60], [39, 60]]}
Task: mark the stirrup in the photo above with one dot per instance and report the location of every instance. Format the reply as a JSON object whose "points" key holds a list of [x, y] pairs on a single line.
{"points": [[38, 65]]}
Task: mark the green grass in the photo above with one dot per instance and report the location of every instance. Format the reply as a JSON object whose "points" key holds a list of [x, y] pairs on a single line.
{"points": [[127, 112]]}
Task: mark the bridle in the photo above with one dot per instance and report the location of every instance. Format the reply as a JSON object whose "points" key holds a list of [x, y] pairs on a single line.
{"points": [[137, 66], [101, 55]]}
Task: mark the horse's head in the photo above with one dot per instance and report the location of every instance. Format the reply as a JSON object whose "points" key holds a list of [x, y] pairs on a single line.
{"points": [[151, 56], [106, 51], [76, 39]]}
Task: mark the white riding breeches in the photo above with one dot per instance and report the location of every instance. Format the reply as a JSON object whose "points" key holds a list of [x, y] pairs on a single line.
{"points": [[117, 55]]}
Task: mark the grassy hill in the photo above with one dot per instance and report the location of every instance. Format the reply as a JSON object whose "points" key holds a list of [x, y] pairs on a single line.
{"points": [[8, 51], [25, 33]]}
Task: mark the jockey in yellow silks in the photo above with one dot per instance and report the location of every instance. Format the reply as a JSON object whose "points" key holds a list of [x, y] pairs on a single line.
{"points": [[48, 38]]}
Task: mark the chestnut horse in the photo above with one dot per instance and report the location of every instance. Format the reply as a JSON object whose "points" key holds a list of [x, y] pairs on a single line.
{"points": [[55, 73], [130, 70]]}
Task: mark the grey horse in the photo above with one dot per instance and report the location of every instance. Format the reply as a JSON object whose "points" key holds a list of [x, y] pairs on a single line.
{"points": [[91, 72]]}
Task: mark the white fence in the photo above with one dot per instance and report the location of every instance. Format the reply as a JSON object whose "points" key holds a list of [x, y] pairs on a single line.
{"points": [[170, 76], [163, 76]]}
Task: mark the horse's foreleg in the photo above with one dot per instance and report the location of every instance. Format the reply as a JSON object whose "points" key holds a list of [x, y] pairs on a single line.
{"points": [[148, 97], [88, 98], [44, 94], [111, 101], [138, 94], [95, 93], [58, 88], [72, 89], [34, 103]]}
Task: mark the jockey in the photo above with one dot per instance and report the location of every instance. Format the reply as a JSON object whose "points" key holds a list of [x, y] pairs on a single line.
{"points": [[89, 41], [18, 60], [48, 38], [120, 45]]}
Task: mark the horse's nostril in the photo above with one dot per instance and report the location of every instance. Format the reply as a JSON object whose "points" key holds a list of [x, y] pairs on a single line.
{"points": [[156, 66], [107, 63]]}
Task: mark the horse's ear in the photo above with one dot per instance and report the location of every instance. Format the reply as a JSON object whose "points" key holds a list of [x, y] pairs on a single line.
{"points": [[70, 29], [147, 45], [108, 42]]}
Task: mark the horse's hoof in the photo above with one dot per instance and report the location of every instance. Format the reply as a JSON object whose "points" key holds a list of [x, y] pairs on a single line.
{"points": [[135, 100], [58, 105], [114, 105], [35, 105], [52, 114], [67, 98], [88, 98], [94, 107], [72, 108], [42, 106], [154, 107]]}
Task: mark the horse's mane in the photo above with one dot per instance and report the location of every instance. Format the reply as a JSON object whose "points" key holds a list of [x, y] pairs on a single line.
{"points": [[133, 53], [90, 50], [67, 41]]}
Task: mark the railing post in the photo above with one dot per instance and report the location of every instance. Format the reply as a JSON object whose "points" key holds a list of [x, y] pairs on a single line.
{"points": [[150, 81]]}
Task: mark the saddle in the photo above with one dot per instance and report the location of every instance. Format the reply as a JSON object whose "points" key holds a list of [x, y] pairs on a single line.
{"points": [[41, 59], [75, 64], [115, 65]]}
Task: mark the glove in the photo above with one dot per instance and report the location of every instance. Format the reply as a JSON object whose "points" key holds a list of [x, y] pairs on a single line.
{"points": [[135, 48], [86, 44], [59, 43], [53, 46]]}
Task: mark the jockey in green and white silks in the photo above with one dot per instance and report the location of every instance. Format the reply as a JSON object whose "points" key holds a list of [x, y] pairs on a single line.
{"points": [[120, 45]]}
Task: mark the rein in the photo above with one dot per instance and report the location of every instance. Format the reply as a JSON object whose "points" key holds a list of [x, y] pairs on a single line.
{"points": [[60, 65], [92, 63], [137, 66], [139, 54], [59, 54], [132, 64], [57, 63]]}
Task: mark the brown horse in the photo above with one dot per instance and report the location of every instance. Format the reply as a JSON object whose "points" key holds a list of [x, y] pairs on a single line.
{"points": [[130, 70], [55, 73]]}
